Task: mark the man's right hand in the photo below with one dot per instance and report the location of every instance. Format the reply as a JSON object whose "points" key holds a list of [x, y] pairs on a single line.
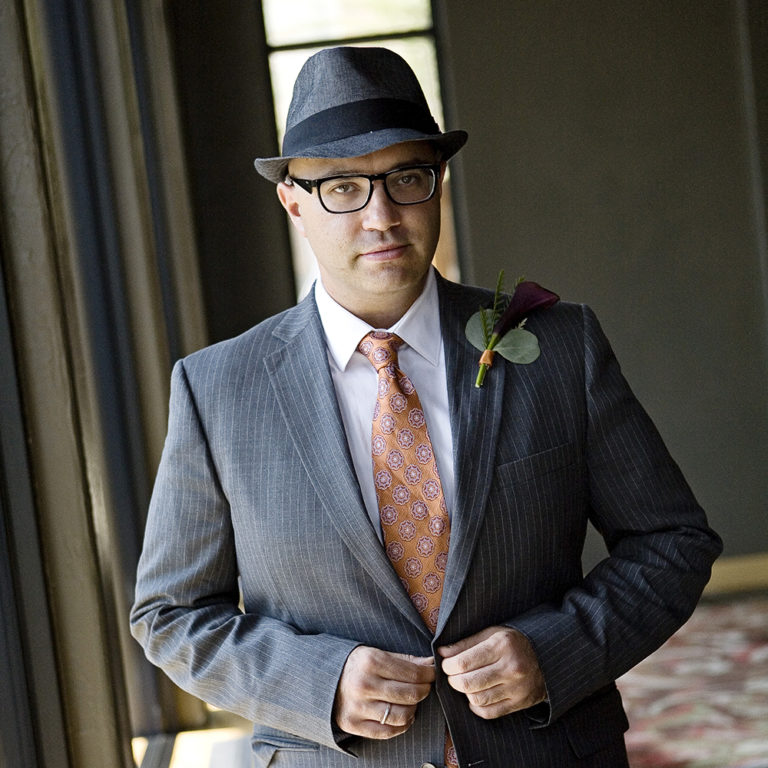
{"points": [[372, 681]]}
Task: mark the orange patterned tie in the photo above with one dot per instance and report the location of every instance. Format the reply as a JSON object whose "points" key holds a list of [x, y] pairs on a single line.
{"points": [[414, 519]]}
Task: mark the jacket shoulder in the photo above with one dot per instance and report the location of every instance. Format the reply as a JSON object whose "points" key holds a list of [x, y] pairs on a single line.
{"points": [[254, 344]]}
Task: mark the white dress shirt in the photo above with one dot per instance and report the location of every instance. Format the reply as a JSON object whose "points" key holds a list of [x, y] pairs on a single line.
{"points": [[421, 358]]}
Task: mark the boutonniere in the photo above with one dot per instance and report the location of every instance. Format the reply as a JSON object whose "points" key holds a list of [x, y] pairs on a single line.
{"points": [[499, 328]]}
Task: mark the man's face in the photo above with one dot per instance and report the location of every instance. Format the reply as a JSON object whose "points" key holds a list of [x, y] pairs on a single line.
{"points": [[374, 260]]}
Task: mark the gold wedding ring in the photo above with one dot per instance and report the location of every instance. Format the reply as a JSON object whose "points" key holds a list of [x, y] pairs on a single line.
{"points": [[384, 717]]}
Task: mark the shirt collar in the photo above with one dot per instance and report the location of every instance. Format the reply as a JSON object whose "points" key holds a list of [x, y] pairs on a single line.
{"points": [[419, 327]]}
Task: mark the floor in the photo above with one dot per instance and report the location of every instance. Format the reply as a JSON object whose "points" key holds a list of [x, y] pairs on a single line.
{"points": [[700, 701]]}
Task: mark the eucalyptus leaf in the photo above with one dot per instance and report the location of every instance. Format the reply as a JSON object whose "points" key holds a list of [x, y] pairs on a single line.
{"points": [[475, 329], [518, 346]]}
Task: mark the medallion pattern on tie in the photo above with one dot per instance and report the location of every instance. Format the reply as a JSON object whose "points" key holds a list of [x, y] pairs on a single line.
{"points": [[414, 519]]}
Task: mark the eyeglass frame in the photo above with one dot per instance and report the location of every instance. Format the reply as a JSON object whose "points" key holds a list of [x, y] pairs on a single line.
{"points": [[309, 184]]}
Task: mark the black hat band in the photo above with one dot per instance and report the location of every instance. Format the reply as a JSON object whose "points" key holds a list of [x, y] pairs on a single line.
{"points": [[357, 118]]}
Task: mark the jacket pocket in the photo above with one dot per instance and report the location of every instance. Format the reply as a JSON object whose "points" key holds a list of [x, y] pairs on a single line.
{"points": [[265, 747], [596, 722], [538, 464]]}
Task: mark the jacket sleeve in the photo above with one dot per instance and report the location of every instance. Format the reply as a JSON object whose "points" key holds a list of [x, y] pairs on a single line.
{"points": [[660, 546], [186, 613]]}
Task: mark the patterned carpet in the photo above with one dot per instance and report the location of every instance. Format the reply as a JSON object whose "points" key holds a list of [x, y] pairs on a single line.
{"points": [[701, 701]]}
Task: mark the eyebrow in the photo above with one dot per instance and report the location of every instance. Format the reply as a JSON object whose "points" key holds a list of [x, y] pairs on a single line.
{"points": [[356, 172]]}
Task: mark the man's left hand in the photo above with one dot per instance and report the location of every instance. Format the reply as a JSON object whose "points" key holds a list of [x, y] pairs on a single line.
{"points": [[497, 669]]}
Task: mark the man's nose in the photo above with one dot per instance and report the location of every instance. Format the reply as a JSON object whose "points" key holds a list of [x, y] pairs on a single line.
{"points": [[380, 213]]}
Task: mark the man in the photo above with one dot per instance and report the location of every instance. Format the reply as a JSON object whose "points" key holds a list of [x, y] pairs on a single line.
{"points": [[365, 638]]}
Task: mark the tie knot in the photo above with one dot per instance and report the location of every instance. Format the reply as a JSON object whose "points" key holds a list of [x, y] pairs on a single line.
{"points": [[380, 347]]}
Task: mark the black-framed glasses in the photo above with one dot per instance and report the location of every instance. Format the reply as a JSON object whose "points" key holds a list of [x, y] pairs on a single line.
{"points": [[348, 193]]}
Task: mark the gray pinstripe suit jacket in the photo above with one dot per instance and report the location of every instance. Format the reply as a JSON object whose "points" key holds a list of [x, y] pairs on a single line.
{"points": [[256, 491]]}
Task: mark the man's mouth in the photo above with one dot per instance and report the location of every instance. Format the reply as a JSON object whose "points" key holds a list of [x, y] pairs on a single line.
{"points": [[385, 252]]}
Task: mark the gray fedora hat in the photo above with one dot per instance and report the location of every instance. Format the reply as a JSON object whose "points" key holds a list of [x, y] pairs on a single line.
{"points": [[349, 102]]}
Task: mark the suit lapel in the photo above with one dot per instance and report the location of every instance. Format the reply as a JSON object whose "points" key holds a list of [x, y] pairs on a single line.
{"points": [[307, 400], [475, 419]]}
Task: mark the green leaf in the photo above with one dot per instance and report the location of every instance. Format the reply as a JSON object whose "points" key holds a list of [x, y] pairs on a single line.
{"points": [[487, 325], [517, 346], [497, 298], [476, 328]]}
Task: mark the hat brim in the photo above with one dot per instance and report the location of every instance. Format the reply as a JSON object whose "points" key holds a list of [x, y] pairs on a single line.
{"points": [[275, 169]]}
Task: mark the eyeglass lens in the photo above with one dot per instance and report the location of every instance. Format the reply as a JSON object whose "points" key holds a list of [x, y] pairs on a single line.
{"points": [[405, 186]]}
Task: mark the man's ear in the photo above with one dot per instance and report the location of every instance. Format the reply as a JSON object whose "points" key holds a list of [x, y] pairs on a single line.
{"points": [[286, 193], [441, 178]]}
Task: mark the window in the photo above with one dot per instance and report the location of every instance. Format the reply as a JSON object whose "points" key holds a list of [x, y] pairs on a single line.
{"points": [[300, 28]]}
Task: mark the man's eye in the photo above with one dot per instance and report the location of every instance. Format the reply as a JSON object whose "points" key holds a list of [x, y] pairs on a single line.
{"points": [[340, 188], [409, 178]]}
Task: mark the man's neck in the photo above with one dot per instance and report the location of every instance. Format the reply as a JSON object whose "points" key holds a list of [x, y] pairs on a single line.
{"points": [[385, 317], [380, 314], [419, 326]]}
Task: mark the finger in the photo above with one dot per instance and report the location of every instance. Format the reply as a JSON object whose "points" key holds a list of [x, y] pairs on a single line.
{"points": [[380, 720], [478, 656], [373, 729], [482, 679], [447, 651], [393, 715], [405, 668], [489, 697], [500, 701], [498, 709], [393, 666], [369, 667], [406, 694]]}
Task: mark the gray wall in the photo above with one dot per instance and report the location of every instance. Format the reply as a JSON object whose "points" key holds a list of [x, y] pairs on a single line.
{"points": [[614, 156]]}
